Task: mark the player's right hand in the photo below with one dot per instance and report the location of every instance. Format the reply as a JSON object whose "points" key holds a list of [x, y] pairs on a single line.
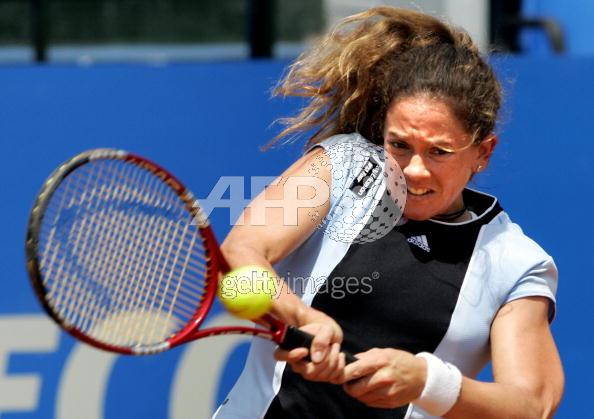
{"points": [[325, 362]]}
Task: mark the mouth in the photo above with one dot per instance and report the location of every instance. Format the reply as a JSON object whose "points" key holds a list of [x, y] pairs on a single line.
{"points": [[418, 191]]}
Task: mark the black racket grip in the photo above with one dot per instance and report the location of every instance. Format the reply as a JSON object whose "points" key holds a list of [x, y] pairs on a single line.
{"points": [[295, 338]]}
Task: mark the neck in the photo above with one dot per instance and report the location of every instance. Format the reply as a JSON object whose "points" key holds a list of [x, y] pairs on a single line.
{"points": [[451, 216]]}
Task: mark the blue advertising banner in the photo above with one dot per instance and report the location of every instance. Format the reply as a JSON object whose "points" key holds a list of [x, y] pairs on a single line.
{"points": [[206, 123]]}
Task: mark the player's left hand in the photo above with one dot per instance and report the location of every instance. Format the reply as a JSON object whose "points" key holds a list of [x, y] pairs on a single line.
{"points": [[385, 378]]}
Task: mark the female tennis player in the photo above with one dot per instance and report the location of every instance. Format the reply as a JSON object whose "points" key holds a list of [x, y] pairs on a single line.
{"points": [[426, 303]]}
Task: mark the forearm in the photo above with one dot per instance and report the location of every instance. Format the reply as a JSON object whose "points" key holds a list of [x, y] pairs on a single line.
{"points": [[495, 400]]}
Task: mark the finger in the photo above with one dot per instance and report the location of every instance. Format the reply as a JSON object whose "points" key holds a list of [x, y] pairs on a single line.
{"points": [[364, 366], [328, 368], [374, 383], [308, 370], [357, 388], [291, 356], [338, 376], [324, 370], [383, 398], [302, 367], [320, 346]]}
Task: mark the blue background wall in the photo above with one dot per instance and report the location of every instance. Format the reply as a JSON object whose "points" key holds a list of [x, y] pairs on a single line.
{"points": [[203, 121]]}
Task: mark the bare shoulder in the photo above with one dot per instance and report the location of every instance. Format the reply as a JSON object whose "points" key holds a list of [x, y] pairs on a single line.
{"points": [[315, 162]]}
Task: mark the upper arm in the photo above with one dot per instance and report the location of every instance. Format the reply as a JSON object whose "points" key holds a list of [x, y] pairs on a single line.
{"points": [[524, 352], [286, 213]]}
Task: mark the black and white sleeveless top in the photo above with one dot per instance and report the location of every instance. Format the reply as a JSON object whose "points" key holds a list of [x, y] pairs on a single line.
{"points": [[421, 286]]}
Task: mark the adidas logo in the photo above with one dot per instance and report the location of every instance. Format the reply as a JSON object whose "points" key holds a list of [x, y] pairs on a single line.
{"points": [[420, 241]]}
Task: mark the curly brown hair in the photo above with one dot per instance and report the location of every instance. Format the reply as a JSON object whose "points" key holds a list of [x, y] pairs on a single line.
{"points": [[350, 77]]}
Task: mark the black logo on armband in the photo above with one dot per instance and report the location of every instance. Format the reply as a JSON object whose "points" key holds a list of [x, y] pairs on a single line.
{"points": [[366, 178]]}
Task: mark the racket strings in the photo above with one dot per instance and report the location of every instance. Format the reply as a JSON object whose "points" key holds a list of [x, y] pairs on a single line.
{"points": [[60, 290], [117, 263], [113, 261], [131, 295], [120, 255], [85, 252]]}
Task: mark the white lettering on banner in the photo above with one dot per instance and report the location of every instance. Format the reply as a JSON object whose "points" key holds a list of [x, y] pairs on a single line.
{"points": [[23, 333], [194, 386], [87, 371], [84, 381]]}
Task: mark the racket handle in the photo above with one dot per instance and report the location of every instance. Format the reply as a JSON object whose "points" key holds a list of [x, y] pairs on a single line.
{"points": [[295, 338]]}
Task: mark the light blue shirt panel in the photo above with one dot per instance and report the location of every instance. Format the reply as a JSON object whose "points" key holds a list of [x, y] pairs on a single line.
{"points": [[505, 265]]}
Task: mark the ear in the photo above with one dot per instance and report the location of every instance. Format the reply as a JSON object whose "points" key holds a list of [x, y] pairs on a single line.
{"points": [[485, 149]]}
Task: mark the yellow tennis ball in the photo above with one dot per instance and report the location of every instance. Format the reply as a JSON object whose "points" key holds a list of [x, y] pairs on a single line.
{"points": [[247, 292]]}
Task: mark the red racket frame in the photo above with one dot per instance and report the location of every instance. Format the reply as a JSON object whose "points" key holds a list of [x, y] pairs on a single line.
{"points": [[277, 331]]}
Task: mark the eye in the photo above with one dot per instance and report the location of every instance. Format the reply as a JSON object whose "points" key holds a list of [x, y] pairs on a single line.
{"points": [[438, 151], [398, 144]]}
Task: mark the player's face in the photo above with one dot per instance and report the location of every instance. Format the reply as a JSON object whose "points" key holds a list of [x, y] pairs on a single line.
{"points": [[423, 134]]}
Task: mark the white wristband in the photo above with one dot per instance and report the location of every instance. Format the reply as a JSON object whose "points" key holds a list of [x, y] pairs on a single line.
{"points": [[442, 387]]}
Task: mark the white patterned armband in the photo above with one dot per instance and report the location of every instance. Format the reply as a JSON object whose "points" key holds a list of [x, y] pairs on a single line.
{"points": [[442, 388]]}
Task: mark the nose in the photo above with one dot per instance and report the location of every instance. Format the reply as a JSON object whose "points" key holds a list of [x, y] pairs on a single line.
{"points": [[416, 168]]}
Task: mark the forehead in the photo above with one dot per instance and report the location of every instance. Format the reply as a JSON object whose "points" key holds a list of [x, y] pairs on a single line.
{"points": [[426, 117]]}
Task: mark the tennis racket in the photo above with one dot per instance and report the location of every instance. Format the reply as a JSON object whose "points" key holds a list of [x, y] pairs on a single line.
{"points": [[122, 257]]}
